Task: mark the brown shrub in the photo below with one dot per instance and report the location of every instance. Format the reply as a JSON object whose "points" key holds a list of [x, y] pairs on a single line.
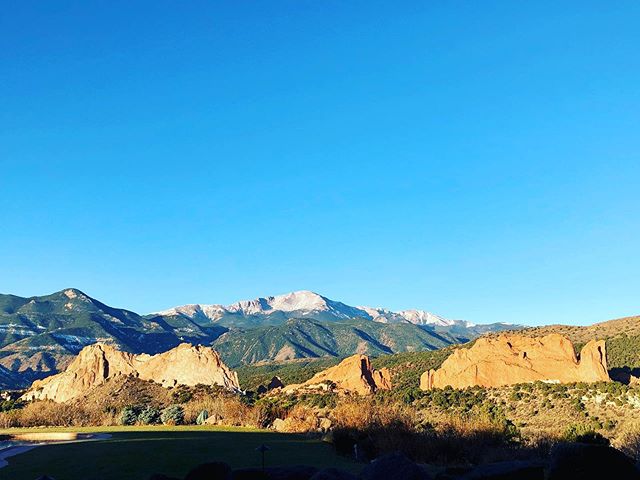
{"points": [[300, 419], [47, 413], [366, 413], [629, 441], [229, 410], [9, 419]]}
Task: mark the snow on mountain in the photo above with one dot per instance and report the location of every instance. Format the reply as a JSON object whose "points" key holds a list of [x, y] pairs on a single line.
{"points": [[307, 304]]}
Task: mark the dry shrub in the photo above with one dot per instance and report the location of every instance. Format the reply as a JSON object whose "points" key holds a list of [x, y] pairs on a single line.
{"points": [[51, 414], [10, 419], [300, 419], [213, 405], [47, 413], [372, 428], [228, 410], [363, 413], [629, 440]]}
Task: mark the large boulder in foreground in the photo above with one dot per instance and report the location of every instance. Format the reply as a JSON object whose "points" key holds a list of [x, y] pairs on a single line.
{"points": [[352, 375], [393, 466], [508, 359], [95, 364], [590, 462]]}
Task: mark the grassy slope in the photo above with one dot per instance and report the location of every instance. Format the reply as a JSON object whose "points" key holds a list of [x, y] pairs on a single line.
{"points": [[629, 326], [135, 453]]}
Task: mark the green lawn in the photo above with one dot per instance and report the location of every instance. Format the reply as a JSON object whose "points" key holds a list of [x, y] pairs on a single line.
{"points": [[134, 453]]}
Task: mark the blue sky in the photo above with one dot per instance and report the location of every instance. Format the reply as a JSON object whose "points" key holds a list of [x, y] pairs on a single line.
{"points": [[480, 160]]}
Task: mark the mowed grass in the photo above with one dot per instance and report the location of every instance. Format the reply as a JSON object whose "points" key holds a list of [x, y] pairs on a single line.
{"points": [[137, 452]]}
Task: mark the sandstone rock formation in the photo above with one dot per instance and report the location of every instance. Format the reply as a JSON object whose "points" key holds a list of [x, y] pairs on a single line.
{"points": [[95, 364], [352, 375], [511, 358]]}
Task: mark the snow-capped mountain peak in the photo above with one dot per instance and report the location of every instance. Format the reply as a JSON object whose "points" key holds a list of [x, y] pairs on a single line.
{"points": [[305, 304], [302, 300]]}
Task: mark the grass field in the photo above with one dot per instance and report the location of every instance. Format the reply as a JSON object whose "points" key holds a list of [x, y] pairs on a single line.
{"points": [[137, 452]]}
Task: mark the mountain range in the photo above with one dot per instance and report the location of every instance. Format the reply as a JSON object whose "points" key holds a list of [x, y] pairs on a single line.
{"points": [[40, 335]]}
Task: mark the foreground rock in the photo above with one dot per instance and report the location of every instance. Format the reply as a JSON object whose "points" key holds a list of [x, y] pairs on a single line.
{"points": [[184, 365], [394, 466], [352, 375], [590, 462], [510, 470], [509, 359]]}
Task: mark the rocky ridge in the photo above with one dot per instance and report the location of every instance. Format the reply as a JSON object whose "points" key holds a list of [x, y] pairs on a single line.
{"points": [[96, 364], [509, 359], [353, 375]]}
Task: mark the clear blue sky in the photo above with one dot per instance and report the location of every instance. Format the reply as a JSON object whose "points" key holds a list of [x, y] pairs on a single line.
{"points": [[480, 160]]}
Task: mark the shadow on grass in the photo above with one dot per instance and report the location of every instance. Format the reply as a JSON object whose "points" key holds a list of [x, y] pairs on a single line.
{"points": [[136, 455]]}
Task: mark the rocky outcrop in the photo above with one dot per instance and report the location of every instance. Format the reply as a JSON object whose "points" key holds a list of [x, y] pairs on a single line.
{"points": [[352, 375], [183, 365], [511, 358]]}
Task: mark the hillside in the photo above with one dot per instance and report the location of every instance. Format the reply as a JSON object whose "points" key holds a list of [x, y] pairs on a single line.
{"points": [[303, 338], [40, 335], [405, 367], [629, 326]]}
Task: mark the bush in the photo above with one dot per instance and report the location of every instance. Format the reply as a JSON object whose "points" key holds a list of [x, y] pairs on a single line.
{"points": [[630, 442], [129, 415], [301, 419], [173, 415], [202, 417], [50, 414], [585, 433], [149, 416], [8, 405], [181, 395]]}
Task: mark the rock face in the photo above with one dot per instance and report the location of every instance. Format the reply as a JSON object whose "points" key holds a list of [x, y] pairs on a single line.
{"points": [[184, 365], [352, 375], [510, 358]]}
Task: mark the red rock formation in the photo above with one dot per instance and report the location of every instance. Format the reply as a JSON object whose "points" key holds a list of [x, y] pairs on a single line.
{"points": [[511, 358], [352, 375], [95, 364]]}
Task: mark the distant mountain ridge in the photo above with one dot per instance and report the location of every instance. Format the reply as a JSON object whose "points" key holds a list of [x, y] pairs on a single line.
{"points": [[302, 304], [307, 338], [40, 335]]}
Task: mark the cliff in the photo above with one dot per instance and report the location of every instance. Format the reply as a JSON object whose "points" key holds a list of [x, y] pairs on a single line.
{"points": [[95, 364], [352, 375], [508, 359]]}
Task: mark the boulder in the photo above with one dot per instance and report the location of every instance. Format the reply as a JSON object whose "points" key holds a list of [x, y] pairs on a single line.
{"points": [[210, 471], [512, 470], [352, 375], [293, 472], [324, 424], [395, 466], [96, 364], [250, 474], [275, 383], [279, 425], [509, 359], [333, 474], [590, 462]]}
